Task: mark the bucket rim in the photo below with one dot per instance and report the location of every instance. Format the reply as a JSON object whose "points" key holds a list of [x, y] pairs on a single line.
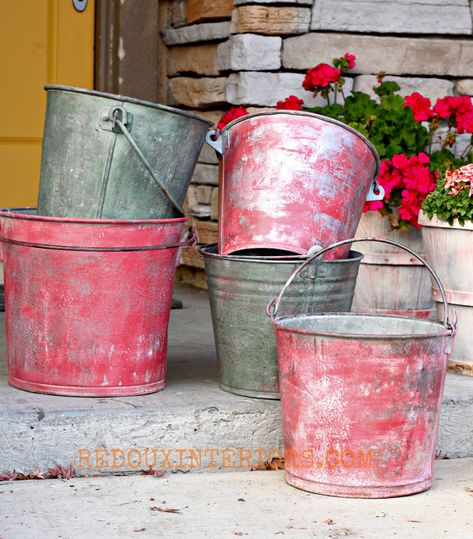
{"points": [[203, 250], [435, 222], [327, 119], [9, 213], [126, 99], [443, 331]]}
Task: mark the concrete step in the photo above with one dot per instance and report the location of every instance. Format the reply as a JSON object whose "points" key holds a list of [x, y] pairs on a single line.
{"points": [[191, 414], [220, 505]]}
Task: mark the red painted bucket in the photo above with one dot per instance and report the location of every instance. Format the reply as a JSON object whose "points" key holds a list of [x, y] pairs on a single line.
{"points": [[87, 302], [360, 397], [291, 180]]}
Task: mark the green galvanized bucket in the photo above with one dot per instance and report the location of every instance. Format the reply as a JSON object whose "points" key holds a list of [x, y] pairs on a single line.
{"points": [[114, 157], [240, 287]]}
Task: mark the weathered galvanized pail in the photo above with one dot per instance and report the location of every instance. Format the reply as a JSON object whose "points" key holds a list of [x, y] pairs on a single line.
{"points": [[87, 302], [292, 180], [403, 283], [450, 248], [360, 397], [116, 157], [239, 290]]}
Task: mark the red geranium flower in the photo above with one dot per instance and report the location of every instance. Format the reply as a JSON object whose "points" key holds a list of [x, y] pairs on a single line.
{"points": [[230, 115], [442, 108], [420, 106], [351, 60], [290, 103], [320, 76]]}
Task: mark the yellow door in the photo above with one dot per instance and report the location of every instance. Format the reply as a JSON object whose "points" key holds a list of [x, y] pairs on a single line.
{"points": [[41, 42]]}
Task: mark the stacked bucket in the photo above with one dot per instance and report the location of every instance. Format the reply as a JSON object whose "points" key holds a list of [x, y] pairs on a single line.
{"points": [[360, 394], [291, 183], [89, 274]]}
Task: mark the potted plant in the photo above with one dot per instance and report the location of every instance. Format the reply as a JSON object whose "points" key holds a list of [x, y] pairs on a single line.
{"points": [[407, 135], [447, 230], [415, 142]]}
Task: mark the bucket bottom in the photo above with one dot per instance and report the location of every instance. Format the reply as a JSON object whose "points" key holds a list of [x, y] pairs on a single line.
{"points": [[251, 392], [84, 391], [357, 491]]}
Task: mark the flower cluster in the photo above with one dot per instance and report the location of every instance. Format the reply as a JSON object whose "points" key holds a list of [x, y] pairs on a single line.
{"points": [[230, 115], [290, 103], [459, 179], [452, 200], [320, 77], [401, 129], [457, 109], [324, 78], [406, 181]]}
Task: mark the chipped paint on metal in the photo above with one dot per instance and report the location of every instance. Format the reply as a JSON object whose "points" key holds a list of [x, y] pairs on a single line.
{"points": [[366, 385], [379, 395], [87, 322], [295, 180]]}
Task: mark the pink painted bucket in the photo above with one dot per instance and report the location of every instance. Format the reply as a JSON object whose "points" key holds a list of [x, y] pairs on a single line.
{"points": [[292, 180], [87, 302], [361, 396]]}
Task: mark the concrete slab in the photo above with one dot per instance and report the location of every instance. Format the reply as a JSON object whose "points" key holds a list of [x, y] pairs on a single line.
{"points": [[38, 431], [249, 504]]}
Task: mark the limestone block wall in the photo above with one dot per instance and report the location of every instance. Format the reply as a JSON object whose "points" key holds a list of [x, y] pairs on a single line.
{"points": [[224, 53]]}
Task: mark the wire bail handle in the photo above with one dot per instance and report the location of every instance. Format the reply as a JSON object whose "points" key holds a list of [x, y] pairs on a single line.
{"points": [[121, 123], [274, 304]]}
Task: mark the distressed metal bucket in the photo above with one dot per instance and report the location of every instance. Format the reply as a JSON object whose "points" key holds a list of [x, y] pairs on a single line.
{"points": [[87, 302], [239, 290], [291, 180], [114, 157], [360, 397]]}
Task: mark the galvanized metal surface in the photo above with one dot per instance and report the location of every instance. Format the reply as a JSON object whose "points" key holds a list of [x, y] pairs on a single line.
{"points": [[360, 400], [450, 248], [239, 290], [90, 169], [291, 180], [87, 302], [402, 282]]}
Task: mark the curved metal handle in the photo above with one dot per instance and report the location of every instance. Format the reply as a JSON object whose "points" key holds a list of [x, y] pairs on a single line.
{"points": [[131, 140], [215, 140], [274, 304], [376, 192]]}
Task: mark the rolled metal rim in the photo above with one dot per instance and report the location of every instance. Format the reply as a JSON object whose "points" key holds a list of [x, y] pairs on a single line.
{"points": [[205, 251], [126, 99], [12, 213], [443, 331], [326, 119]]}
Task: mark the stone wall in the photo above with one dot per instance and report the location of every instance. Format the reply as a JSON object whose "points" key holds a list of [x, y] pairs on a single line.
{"points": [[224, 53]]}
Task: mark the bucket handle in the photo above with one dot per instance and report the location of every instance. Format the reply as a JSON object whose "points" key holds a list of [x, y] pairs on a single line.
{"points": [[274, 304], [117, 113]]}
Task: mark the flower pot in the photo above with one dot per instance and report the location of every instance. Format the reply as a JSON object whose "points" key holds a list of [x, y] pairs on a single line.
{"points": [[449, 251], [404, 284]]}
